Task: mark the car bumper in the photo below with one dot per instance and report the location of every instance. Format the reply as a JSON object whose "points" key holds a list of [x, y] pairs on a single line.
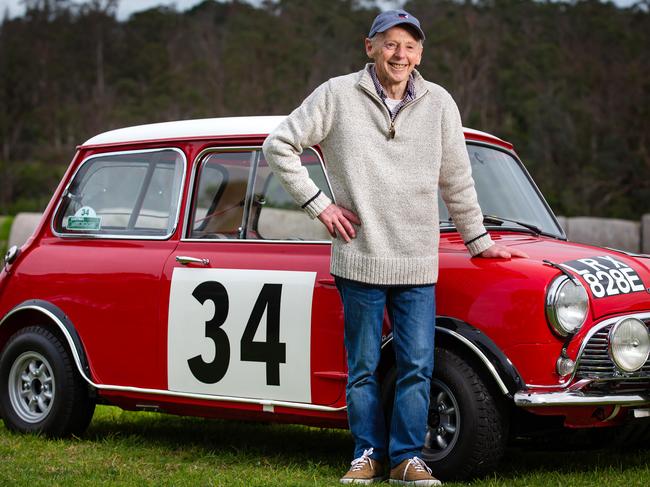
{"points": [[577, 398]]}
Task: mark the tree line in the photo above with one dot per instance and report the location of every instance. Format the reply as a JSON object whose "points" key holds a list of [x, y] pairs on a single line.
{"points": [[568, 83]]}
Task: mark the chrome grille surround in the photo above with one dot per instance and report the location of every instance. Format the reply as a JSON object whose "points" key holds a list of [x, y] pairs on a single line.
{"points": [[593, 361]]}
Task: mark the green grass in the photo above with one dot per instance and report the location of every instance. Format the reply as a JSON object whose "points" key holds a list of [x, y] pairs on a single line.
{"points": [[136, 449]]}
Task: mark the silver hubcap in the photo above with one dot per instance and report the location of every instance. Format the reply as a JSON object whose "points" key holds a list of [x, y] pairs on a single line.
{"points": [[31, 387], [444, 420]]}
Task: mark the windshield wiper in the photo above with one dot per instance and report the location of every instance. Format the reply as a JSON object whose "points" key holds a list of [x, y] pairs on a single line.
{"points": [[499, 220]]}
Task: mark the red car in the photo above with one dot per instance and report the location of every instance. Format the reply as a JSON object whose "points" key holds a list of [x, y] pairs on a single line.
{"points": [[172, 272]]}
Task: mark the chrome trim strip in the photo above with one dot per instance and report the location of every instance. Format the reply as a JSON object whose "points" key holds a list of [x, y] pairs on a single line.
{"points": [[480, 354], [266, 404], [551, 399], [190, 195], [64, 330], [86, 236]]}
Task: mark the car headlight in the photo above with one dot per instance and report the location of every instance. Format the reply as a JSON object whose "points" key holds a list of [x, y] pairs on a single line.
{"points": [[629, 344], [567, 304]]}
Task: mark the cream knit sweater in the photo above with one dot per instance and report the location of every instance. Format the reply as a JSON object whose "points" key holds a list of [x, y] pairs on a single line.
{"points": [[387, 173]]}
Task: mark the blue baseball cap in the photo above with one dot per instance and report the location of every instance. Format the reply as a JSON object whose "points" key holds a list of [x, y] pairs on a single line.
{"points": [[391, 18]]}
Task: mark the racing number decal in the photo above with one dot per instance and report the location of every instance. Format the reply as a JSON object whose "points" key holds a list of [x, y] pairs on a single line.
{"points": [[272, 352], [266, 313], [211, 372], [607, 276]]}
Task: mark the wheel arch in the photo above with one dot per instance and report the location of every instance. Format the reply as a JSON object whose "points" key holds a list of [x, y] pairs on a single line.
{"points": [[470, 342], [38, 312]]}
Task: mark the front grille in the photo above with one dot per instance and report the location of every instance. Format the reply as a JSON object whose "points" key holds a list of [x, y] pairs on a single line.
{"points": [[594, 363]]}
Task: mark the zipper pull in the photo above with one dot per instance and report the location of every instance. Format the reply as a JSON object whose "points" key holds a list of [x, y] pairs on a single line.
{"points": [[391, 130]]}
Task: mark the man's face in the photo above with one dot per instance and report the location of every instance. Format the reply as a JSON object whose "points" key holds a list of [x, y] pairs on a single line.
{"points": [[396, 54]]}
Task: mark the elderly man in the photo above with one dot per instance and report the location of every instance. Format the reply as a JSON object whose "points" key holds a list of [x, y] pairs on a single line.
{"points": [[391, 140]]}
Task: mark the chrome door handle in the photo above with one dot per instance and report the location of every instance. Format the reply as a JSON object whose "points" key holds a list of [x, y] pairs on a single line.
{"points": [[181, 259]]}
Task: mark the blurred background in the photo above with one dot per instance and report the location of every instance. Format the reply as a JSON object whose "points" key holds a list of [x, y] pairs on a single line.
{"points": [[568, 83]]}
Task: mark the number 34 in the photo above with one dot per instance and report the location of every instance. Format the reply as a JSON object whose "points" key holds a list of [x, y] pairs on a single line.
{"points": [[272, 351]]}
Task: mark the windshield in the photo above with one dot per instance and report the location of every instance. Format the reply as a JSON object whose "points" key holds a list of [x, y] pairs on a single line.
{"points": [[504, 190]]}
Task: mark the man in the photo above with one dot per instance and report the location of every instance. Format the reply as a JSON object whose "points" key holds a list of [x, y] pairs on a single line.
{"points": [[390, 139]]}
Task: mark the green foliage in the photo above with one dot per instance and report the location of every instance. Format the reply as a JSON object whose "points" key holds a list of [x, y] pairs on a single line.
{"points": [[5, 228], [567, 82], [32, 184]]}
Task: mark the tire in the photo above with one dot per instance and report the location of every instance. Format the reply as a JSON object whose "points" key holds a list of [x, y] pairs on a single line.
{"points": [[467, 426], [41, 390]]}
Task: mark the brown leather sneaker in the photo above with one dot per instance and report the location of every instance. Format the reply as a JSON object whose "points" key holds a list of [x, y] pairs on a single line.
{"points": [[364, 470], [413, 472]]}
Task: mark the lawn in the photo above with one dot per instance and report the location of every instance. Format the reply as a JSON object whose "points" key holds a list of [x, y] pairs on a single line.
{"points": [[136, 449]]}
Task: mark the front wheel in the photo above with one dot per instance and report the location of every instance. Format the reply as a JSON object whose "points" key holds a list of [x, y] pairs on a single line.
{"points": [[40, 388], [467, 427]]}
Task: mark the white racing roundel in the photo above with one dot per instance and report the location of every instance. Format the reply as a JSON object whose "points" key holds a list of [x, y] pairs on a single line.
{"points": [[607, 276], [240, 333]]}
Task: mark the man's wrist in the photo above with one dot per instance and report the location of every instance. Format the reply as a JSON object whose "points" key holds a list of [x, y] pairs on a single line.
{"points": [[317, 205], [479, 244]]}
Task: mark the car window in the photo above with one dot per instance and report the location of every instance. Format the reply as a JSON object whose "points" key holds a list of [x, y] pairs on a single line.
{"points": [[220, 194], [274, 213], [123, 194], [221, 206], [504, 190]]}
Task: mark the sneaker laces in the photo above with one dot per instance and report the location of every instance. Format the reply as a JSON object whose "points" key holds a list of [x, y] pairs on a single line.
{"points": [[418, 465], [359, 463]]}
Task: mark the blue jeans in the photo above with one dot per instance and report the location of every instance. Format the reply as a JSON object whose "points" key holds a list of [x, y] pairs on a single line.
{"points": [[412, 312]]}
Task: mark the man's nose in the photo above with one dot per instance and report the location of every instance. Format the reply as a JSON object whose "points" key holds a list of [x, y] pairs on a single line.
{"points": [[400, 51]]}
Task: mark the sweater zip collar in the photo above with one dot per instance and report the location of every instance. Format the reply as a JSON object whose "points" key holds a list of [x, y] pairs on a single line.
{"points": [[367, 85], [379, 89]]}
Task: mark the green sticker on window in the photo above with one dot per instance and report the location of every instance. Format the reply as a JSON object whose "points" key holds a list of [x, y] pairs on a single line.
{"points": [[84, 222], [84, 219]]}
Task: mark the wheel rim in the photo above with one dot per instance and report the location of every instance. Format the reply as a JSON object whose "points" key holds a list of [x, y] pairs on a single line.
{"points": [[31, 387], [443, 426]]}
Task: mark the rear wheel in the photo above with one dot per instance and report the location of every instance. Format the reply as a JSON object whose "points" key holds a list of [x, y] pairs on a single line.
{"points": [[41, 390], [467, 426]]}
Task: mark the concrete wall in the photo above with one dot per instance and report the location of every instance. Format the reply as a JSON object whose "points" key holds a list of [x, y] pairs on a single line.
{"points": [[22, 228], [604, 232], [607, 232]]}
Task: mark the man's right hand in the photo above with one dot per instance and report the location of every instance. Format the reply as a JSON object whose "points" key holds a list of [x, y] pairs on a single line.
{"points": [[339, 220]]}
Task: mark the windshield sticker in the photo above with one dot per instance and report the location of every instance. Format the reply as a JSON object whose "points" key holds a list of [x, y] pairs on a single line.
{"points": [[607, 276], [84, 219]]}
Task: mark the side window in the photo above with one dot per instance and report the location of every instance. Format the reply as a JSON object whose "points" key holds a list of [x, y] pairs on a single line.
{"points": [[220, 194], [128, 194], [274, 213]]}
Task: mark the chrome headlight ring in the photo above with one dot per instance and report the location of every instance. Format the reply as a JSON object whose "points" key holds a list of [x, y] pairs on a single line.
{"points": [[629, 344], [567, 305]]}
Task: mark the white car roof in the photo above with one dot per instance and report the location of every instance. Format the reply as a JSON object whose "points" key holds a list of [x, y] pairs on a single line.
{"points": [[205, 127]]}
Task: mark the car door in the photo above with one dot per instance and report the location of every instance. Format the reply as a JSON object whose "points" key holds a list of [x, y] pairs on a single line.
{"points": [[253, 311], [112, 234]]}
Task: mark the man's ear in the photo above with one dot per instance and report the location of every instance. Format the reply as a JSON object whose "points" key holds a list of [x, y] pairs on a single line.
{"points": [[368, 44]]}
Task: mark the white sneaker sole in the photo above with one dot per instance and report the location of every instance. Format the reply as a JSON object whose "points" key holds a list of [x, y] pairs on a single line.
{"points": [[416, 483], [362, 481]]}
